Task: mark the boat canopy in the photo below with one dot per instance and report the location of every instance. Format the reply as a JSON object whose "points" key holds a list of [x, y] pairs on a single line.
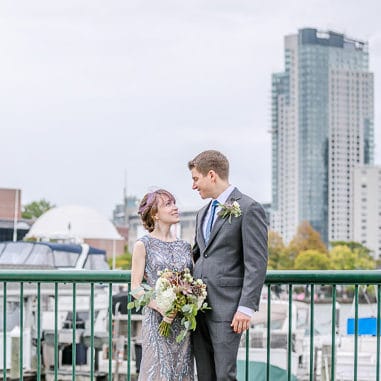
{"points": [[48, 255]]}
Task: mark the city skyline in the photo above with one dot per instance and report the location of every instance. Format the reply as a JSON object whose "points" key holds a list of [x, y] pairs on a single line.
{"points": [[91, 91], [322, 128]]}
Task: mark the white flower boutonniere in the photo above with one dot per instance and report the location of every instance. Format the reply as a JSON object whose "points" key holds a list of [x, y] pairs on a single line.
{"points": [[230, 209]]}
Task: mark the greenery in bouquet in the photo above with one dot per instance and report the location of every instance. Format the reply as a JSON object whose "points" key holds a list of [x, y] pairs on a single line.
{"points": [[144, 299], [176, 293]]}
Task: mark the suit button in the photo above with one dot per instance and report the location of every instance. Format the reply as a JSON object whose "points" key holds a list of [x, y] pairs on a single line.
{"points": [[205, 255]]}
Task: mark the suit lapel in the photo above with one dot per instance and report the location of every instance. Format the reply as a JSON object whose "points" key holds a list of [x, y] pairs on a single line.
{"points": [[200, 233], [234, 196], [216, 227]]}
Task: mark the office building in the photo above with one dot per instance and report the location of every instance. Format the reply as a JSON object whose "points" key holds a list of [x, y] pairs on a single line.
{"points": [[322, 127]]}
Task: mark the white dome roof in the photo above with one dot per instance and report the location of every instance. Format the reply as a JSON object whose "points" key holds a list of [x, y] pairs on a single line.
{"points": [[73, 221]]}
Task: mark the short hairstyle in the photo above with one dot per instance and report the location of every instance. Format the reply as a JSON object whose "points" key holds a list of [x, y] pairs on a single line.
{"points": [[211, 160], [149, 206]]}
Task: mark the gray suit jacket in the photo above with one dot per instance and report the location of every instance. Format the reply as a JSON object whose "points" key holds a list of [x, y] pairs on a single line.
{"points": [[233, 263]]}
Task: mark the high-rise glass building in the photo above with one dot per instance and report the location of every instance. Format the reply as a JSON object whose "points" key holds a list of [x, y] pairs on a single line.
{"points": [[322, 127]]}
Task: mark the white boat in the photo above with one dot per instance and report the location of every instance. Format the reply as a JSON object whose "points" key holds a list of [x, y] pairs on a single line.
{"points": [[51, 256], [367, 350]]}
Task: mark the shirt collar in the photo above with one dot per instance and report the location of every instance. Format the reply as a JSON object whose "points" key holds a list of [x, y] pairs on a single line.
{"points": [[223, 197]]}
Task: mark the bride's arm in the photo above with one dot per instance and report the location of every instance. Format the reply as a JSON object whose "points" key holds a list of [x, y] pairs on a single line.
{"points": [[137, 269], [137, 274]]}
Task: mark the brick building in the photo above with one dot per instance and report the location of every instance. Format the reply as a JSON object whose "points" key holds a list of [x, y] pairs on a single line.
{"points": [[10, 215]]}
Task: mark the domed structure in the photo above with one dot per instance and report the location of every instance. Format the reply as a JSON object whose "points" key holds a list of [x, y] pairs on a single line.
{"points": [[73, 223]]}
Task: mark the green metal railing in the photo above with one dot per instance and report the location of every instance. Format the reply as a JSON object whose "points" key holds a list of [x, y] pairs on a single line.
{"points": [[74, 280], [311, 279], [54, 279]]}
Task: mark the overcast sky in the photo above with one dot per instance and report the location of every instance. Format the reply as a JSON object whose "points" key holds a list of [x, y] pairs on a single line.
{"points": [[92, 89]]}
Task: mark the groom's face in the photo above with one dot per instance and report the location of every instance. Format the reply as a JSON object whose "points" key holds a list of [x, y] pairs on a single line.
{"points": [[203, 184]]}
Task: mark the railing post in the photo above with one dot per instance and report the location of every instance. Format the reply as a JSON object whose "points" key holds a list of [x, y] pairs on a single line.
{"points": [[247, 356], [5, 331], [289, 344], [21, 331], [56, 359], [356, 330], [312, 349], [268, 338], [110, 330], [378, 332], [333, 342], [92, 331], [38, 331], [74, 337], [129, 336]]}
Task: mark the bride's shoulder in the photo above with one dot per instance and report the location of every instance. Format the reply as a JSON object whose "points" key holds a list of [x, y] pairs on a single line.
{"points": [[142, 242], [139, 249]]}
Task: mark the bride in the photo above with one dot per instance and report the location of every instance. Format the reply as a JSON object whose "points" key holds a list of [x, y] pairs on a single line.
{"points": [[163, 359]]}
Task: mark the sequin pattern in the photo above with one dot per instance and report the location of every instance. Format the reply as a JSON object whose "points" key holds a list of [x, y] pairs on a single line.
{"points": [[162, 358]]}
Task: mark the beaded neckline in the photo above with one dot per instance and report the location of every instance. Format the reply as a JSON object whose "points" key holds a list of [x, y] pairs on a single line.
{"points": [[160, 240]]}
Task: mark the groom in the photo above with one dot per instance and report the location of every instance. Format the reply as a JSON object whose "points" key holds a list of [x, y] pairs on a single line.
{"points": [[230, 254]]}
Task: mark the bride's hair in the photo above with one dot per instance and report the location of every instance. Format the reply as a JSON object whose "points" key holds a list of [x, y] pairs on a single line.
{"points": [[149, 205]]}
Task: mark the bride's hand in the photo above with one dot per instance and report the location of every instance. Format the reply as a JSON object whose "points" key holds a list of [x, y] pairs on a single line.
{"points": [[169, 318]]}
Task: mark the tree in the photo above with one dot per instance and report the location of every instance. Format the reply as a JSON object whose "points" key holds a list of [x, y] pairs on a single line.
{"points": [[122, 262], [352, 245], [306, 238], [276, 248], [35, 209], [285, 260], [312, 260], [343, 258]]}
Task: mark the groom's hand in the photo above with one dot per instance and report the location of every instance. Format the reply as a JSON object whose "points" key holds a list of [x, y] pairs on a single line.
{"points": [[241, 322]]}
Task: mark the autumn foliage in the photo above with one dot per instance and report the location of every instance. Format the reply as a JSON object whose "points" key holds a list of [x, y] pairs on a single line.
{"points": [[307, 251]]}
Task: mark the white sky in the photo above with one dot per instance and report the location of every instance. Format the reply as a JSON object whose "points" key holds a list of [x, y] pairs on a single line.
{"points": [[90, 89]]}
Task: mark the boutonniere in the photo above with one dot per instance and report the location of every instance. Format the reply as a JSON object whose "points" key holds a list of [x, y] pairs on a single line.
{"points": [[230, 209]]}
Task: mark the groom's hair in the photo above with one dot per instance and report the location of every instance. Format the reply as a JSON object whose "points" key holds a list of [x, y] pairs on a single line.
{"points": [[211, 160]]}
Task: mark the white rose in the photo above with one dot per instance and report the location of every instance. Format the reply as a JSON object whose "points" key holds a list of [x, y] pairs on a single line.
{"points": [[200, 300], [165, 299], [161, 284]]}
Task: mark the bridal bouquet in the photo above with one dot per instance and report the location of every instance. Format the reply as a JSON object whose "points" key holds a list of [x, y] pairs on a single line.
{"points": [[176, 293]]}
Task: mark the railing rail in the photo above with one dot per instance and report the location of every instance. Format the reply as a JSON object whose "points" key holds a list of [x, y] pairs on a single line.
{"points": [[77, 278], [272, 277], [324, 277]]}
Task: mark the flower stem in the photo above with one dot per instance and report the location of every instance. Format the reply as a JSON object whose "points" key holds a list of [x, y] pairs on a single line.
{"points": [[164, 328]]}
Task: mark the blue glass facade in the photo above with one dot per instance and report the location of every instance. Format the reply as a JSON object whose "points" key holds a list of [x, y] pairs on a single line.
{"points": [[313, 132]]}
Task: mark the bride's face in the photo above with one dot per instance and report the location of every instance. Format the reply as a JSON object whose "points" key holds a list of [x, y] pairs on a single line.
{"points": [[167, 211]]}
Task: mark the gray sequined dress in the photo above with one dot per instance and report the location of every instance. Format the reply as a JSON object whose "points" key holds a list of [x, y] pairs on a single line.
{"points": [[162, 358]]}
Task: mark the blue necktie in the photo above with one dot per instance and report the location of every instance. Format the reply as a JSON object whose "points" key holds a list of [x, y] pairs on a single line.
{"points": [[209, 225]]}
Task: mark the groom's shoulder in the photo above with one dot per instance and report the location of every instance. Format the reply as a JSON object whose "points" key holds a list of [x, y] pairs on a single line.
{"points": [[247, 200], [249, 203]]}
